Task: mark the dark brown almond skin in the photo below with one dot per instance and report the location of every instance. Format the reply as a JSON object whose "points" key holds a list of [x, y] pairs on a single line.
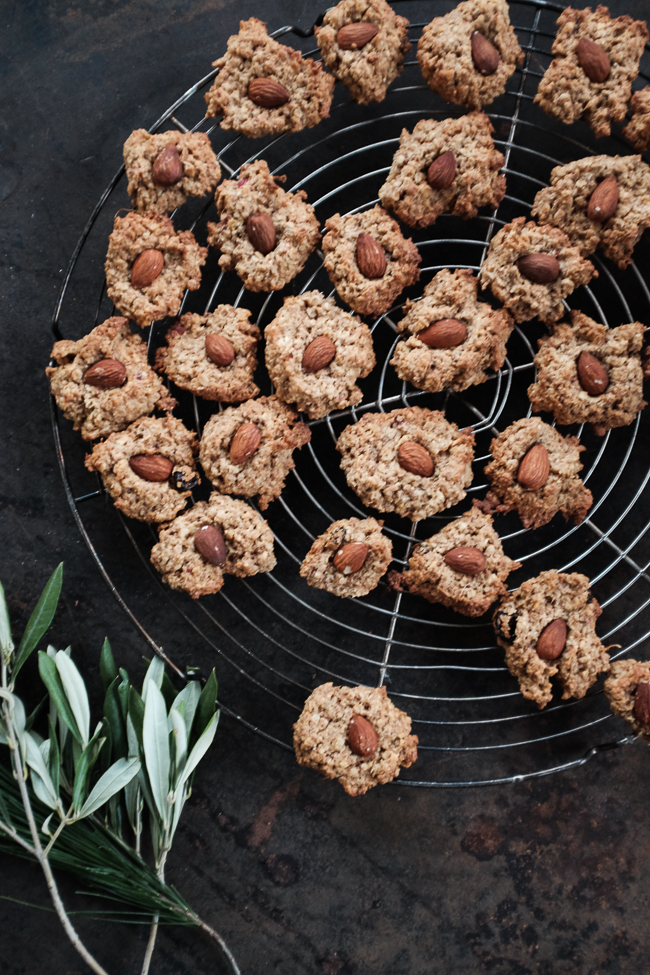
{"points": [[245, 442], [318, 354], [151, 467], [592, 374], [351, 37], [371, 257], [415, 459], [552, 640], [146, 268], [210, 544], [485, 56], [441, 172], [642, 703], [219, 349], [539, 268], [603, 201], [351, 557], [593, 59], [106, 374], [534, 468], [261, 232], [268, 93], [167, 169], [466, 559], [444, 334], [362, 737]]}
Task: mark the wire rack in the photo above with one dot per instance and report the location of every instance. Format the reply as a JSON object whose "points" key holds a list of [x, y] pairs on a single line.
{"points": [[272, 637]]}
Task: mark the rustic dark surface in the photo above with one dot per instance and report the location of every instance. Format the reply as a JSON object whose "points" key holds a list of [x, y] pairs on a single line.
{"points": [[545, 876]]}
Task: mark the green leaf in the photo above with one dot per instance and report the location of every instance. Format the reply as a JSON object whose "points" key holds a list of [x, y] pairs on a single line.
{"points": [[154, 675], [155, 741], [200, 749], [41, 781], [115, 719], [40, 619], [168, 690], [187, 702], [133, 801], [55, 757], [52, 680], [75, 691], [6, 643], [107, 668], [35, 713], [206, 708], [111, 782], [136, 715], [86, 762], [123, 691], [178, 736]]}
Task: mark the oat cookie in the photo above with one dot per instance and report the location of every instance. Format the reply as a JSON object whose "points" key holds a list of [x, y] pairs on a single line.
{"points": [[321, 736], [620, 689], [567, 93], [133, 495], [95, 411], [562, 491], [185, 360], [524, 298], [248, 542], [558, 390], [637, 129], [319, 570], [451, 295], [445, 52], [301, 321], [370, 450], [565, 204], [199, 176], [366, 71], [295, 222], [264, 471], [476, 183], [183, 259], [251, 55], [519, 620], [369, 296]]}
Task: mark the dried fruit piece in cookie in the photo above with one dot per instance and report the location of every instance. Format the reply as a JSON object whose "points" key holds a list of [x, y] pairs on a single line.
{"points": [[349, 558], [213, 355], [99, 404], [245, 539], [627, 690], [165, 168], [595, 60], [372, 464], [321, 736], [565, 204], [263, 470], [522, 616], [457, 357], [455, 59], [571, 398], [243, 244], [368, 293], [255, 58], [532, 269], [316, 378], [463, 149], [363, 43], [637, 129]]}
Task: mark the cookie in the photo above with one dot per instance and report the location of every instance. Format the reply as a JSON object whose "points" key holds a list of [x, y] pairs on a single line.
{"points": [[411, 461], [349, 559], [589, 82], [289, 92], [621, 689], [248, 449], [464, 70], [477, 339], [149, 265], [165, 168], [548, 482], [365, 65], [213, 355], [315, 352], [163, 450], [637, 129], [460, 183], [570, 388], [247, 538], [522, 617], [321, 737], [565, 204], [390, 261], [289, 234], [533, 269], [113, 394]]}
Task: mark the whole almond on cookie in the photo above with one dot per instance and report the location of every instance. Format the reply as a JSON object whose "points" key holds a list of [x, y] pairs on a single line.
{"points": [[353, 36], [444, 334], [146, 268], [245, 443], [466, 559], [350, 557], [151, 467], [534, 468], [362, 737], [592, 374], [318, 354], [219, 350], [603, 201], [167, 169], [642, 703], [260, 230], [593, 59], [106, 374], [539, 268], [209, 542], [371, 257], [484, 54], [268, 93], [441, 172], [415, 459], [552, 640]]}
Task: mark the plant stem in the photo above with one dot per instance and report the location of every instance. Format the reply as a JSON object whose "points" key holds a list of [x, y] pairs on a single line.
{"points": [[53, 839], [153, 934], [17, 839], [215, 937]]}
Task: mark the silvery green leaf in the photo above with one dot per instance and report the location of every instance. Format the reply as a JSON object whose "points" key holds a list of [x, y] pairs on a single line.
{"points": [[43, 746], [43, 792], [179, 736], [51, 651], [52, 679], [3, 734], [45, 828], [199, 749], [154, 676], [179, 802], [133, 800], [34, 760], [111, 782], [155, 740], [76, 693], [6, 643], [189, 696], [82, 771], [207, 707], [40, 619]]}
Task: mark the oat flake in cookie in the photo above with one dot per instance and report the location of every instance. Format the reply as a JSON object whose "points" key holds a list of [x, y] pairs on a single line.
{"points": [[321, 737], [247, 538], [621, 688], [165, 168], [349, 558], [522, 617], [637, 129], [297, 95]]}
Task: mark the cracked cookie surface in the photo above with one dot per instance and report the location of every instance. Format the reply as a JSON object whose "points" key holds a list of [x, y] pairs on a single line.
{"points": [[620, 689], [637, 129], [318, 569], [200, 169]]}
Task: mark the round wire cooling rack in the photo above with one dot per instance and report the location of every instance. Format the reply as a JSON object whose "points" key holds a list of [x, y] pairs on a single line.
{"points": [[272, 637]]}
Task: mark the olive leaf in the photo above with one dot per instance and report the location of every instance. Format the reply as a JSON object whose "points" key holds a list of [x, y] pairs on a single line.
{"points": [[75, 691], [155, 744], [6, 643], [84, 767], [51, 678], [40, 619], [112, 781], [107, 668]]}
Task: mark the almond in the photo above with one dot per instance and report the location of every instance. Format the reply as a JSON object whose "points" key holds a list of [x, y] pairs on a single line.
{"points": [[146, 268], [245, 443], [603, 201], [539, 268], [441, 172], [268, 93], [219, 349], [593, 59], [353, 36], [371, 257], [484, 54], [642, 703], [261, 232], [592, 375], [552, 640], [209, 542], [106, 374], [534, 468], [151, 467], [466, 559], [167, 168], [351, 557], [445, 334], [415, 459], [362, 737], [318, 354]]}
